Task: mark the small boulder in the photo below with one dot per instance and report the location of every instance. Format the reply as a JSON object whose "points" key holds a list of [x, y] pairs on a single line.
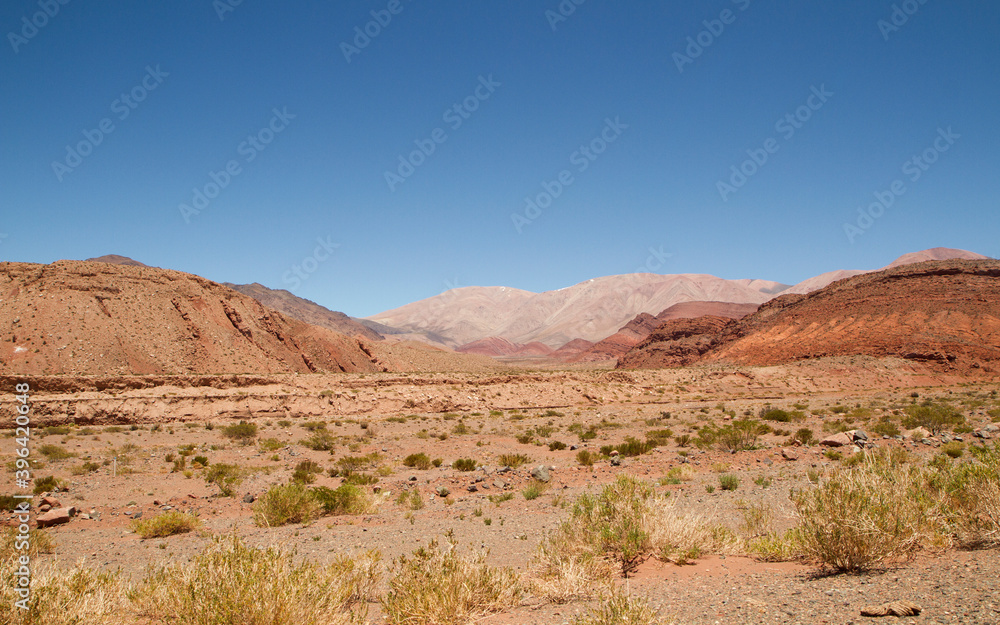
{"points": [[616, 461], [51, 502], [541, 473], [57, 516], [788, 454], [837, 440], [472, 488], [859, 435], [249, 498], [442, 491]]}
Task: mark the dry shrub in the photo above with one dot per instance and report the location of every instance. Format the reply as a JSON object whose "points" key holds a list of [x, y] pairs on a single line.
{"points": [[860, 517], [439, 587], [626, 523], [286, 503], [620, 608], [78, 595], [973, 494], [680, 538], [566, 568], [166, 524], [230, 582]]}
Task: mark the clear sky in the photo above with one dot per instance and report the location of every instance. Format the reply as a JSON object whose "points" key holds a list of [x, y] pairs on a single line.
{"points": [[118, 120]]}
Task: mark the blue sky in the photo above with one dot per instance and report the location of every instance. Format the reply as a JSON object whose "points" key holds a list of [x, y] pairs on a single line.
{"points": [[309, 116]]}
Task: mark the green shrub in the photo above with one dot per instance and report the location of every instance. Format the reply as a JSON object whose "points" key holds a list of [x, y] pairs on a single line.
{"points": [[55, 452], [166, 524], [417, 461], [243, 432], [728, 481], [345, 499], [534, 490], [47, 484], [464, 464], [804, 436], [585, 458], [935, 417], [305, 472], [270, 444], [885, 427], [320, 440], [226, 476], [285, 503], [557, 445], [741, 434]]}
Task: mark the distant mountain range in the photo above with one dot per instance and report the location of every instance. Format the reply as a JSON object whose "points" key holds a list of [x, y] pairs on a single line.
{"points": [[592, 310]]}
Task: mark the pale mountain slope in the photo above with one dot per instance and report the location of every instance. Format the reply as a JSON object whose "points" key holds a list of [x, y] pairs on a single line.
{"points": [[589, 310]]}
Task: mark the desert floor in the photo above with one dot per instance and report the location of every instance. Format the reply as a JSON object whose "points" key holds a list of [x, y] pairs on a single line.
{"points": [[128, 427]]}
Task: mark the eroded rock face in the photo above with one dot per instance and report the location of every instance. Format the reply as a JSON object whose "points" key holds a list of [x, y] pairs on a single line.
{"points": [[95, 318], [677, 343], [945, 314]]}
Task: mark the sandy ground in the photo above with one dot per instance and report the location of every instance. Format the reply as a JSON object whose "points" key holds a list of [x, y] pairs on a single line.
{"points": [[481, 416]]}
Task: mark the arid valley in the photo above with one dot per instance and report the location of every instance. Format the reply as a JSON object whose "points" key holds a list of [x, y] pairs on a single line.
{"points": [[827, 455]]}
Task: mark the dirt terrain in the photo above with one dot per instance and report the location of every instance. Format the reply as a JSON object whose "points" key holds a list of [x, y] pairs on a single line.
{"points": [[128, 427]]}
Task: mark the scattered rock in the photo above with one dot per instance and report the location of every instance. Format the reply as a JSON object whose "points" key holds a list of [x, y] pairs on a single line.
{"points": [[499, 483], [413, 478], [893, 608], [442, 491], [788, 454], [57, 516], [616, 461], [472, 488], [249, 498], [51, 502], [859, 435]]}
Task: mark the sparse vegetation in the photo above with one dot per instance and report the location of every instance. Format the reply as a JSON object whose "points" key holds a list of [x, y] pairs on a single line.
{"points": [[513, 461], [286, 503], [435, 585], [242, 432], [166, 524]]}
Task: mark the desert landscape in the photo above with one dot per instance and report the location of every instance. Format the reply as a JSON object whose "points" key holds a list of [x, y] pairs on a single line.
{"points": [[709, 452]]}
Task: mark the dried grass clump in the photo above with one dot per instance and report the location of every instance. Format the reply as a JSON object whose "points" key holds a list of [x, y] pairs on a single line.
{"points": [[878, 511], [231, 582], [436, 585], [620, 608], [166, 524]]}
